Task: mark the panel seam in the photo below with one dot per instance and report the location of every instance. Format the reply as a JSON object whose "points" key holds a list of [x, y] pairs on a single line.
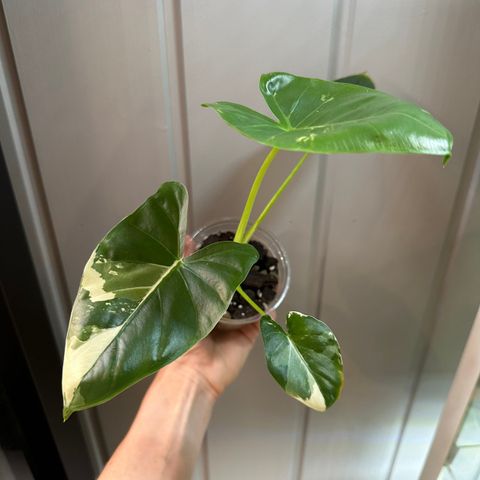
{"points": [[320, 226], [26, 180]]}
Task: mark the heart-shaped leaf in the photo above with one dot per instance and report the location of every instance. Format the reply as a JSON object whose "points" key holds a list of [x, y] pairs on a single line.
{"points": [[305, 360], [318, 116], [140, 304]]}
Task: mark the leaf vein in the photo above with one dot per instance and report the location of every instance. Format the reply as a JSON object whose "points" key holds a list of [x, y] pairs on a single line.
{"points": [[153, 238]]}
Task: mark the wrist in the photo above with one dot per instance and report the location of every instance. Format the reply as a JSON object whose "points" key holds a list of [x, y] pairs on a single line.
{"points": [[179, 401], [192, 372], [187, 377], [166, 435]]}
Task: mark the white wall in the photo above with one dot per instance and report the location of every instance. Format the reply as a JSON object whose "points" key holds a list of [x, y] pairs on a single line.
{"points": [[112, 92]]}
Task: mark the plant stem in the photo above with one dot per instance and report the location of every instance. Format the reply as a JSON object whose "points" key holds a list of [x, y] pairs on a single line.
{"points": [[253, 195], [250, 301], [242, 237], [272, 201]]}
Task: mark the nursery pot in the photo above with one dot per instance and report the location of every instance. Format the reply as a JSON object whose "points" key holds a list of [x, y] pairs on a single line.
{"points": [[274, 249]]}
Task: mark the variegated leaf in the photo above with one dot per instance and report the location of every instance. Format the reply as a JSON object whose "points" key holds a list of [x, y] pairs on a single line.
{"points": [[305, 360], [140, 304]]}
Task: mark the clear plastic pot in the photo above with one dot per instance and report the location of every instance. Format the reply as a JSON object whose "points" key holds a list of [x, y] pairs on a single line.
{"points": [[275, 249]]}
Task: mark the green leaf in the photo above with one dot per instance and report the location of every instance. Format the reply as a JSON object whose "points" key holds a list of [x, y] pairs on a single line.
{"points": [[317, 116], [361, 79], [140, 304], [305, 360]]}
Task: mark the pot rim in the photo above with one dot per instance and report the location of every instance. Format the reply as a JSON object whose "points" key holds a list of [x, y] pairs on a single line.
{"points": [[271, 242]]}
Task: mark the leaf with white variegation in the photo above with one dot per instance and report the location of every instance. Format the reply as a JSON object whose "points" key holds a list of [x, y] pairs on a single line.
{"points": [[305, 360], [319, 116], [141, 304]]}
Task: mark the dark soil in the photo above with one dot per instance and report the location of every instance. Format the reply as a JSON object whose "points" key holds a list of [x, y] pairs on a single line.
{"points": [[261, 283]]}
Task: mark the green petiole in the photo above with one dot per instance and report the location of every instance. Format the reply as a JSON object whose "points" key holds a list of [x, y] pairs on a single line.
{"points": [[250, 301], [253, 195], [272, 201], [240, 235]]}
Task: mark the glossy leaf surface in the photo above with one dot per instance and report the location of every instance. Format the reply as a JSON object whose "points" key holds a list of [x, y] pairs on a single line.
{"points": [[318, 116], [140, 304], [305, 360]]}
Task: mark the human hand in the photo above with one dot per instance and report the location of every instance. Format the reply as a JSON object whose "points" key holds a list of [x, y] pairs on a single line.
{"points": [[166, 436], [218, 358]]}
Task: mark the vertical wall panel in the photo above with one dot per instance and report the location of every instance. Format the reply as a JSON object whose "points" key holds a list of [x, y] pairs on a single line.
{"points": [[388, 224], [106, 133], [454, 314], [91, 77], [255, 429]]}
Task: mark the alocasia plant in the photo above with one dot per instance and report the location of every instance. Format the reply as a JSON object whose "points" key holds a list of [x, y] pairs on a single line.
{"points": [[141, 304]]}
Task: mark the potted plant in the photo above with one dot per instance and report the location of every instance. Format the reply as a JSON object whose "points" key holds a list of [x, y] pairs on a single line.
{"points": [[142, 303], [266, 284]]}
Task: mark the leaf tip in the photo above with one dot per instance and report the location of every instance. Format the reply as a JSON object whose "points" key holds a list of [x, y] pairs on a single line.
{"points": [[446, 159], [66, 414]]}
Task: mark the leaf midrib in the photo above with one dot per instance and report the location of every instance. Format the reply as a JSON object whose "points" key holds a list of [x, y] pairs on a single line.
{"points": [[302, 359], [128, 319], [296, 129], [155, 239], [287, 127]]}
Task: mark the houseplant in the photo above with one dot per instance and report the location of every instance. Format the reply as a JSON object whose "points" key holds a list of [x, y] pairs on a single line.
{"points": [[141, 304], [268, 281]]}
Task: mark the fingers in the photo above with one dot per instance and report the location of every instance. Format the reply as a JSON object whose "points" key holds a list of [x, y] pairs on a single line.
{"points": [[251, 331], [239, 339]]}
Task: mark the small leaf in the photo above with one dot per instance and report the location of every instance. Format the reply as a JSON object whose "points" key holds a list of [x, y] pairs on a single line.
{"points": [[361, 79], [141, 305], [305, 360], [317, 116]]}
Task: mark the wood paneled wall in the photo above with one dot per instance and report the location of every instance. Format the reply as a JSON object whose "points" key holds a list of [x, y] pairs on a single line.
{"points": [[112, 92]]}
